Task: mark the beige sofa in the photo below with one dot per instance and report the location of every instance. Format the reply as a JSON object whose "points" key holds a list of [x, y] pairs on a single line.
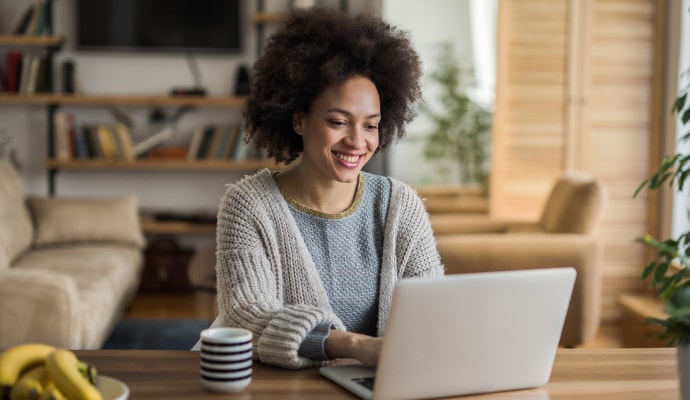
{"points": [[565, 235], [68, 266]]}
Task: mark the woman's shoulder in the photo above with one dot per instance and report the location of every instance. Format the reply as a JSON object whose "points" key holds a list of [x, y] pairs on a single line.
{"points": [[251, 187]]}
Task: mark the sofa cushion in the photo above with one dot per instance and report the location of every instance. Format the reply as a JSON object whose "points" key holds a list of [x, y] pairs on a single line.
{"points": [[79, 220], [105, 276], [16, 229]]}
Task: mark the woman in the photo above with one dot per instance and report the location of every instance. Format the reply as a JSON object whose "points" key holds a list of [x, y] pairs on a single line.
{"points": [[307, 259]]}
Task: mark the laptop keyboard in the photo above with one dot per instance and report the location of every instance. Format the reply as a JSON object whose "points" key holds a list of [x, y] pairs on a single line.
{"points": [[367, 382]]}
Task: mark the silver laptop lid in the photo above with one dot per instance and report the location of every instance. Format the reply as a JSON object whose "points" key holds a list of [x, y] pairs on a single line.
{"points": [[473, 333]]}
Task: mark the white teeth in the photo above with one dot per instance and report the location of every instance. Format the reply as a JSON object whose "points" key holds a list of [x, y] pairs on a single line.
{"points": [[346, 158]]}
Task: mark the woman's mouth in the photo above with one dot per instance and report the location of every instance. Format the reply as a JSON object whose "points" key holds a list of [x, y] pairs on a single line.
{"points": [[347, 159]]}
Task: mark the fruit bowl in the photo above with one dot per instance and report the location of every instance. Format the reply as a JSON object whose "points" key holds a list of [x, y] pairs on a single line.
{"points": [[112, 389]]}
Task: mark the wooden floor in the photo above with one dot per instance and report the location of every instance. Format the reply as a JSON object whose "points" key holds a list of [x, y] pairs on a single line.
{"points": [[201, 305], [192, 305]]}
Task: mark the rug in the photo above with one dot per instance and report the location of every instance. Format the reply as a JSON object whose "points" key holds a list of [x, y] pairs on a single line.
{"points": [[179, 334]]}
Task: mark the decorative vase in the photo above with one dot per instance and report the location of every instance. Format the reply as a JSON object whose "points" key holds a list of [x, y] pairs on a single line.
{"points": [[683, 355]]}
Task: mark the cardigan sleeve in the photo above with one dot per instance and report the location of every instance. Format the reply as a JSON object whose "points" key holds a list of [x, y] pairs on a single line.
{"points": [[416, 249], [252, 284]]}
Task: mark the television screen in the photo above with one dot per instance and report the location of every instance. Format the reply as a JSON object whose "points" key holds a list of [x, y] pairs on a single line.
{"points": [[158, 25]]}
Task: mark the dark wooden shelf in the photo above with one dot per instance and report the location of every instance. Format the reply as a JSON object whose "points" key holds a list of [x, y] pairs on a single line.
{"points": [[31, 41], [162, 165], [121, 100]]}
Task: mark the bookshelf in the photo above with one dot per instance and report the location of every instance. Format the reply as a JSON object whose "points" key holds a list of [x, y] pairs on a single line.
{"points": [[104, 100], [53, 101], [31, 41], [153, 164]]}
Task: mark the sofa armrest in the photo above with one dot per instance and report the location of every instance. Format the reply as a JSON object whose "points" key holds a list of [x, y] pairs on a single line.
{"points": [[26, 294], [489, 252], [63, 220], [450, 224]]}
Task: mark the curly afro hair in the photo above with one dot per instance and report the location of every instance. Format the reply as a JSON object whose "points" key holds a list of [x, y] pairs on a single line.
{"points": [[320, 48]]}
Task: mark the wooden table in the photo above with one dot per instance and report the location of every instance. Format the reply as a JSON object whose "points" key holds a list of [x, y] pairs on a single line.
{"points": [[590, 374]]}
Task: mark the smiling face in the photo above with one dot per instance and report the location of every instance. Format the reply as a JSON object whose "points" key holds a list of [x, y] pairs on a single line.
{"points": [[340, 131]]}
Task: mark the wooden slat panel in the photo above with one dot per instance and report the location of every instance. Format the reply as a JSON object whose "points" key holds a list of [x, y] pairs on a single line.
{"points": [[528, 128], [617, 128], [577, 87]]}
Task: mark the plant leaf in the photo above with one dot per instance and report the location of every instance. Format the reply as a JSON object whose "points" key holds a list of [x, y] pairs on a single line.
{"points": [[679, 104]]}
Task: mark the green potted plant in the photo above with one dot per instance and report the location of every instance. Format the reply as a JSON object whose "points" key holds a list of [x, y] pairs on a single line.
{"points": [[668, 273], [462, 126]]}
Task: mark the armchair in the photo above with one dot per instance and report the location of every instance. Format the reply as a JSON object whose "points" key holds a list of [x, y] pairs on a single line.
{"points": [[564, 235]]}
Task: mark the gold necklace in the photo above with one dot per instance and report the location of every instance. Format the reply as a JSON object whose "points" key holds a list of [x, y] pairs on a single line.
{"points": [[359, 190]]}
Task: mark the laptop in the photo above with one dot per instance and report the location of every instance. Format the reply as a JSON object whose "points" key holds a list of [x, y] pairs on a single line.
{"points": [[466, 334]]}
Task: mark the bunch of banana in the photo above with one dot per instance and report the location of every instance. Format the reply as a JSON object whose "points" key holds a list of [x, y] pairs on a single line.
{"points": [[36, 371]]}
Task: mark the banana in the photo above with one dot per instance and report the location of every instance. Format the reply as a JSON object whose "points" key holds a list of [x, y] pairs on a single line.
{"points": [[88, 371], [63, 370], [20, 358], [51, 392], [30, 384]]}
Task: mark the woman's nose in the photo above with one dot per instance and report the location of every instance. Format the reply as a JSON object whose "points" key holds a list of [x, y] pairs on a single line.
{"points": [[355, 137]]}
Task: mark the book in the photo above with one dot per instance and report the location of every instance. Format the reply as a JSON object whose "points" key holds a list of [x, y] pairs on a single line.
{"points": [[23, 22], [152, 141], [14, 70], [62, 146], [69, 133], [48, 26], [81, 144], [35, 16], [215, 142], [205, 142], [40, 78], [226, 142], [94, 145], [124, 138], [195, 143], [27, 60], [32, 78], [107, 142], [41, 22], [241, 147]]}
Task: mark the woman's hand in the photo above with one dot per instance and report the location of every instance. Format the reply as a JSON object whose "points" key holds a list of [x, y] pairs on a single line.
{"points": [[365, 349]]}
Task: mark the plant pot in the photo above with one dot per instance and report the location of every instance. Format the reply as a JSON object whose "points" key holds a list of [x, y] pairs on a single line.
{"points": [[683, 355]]}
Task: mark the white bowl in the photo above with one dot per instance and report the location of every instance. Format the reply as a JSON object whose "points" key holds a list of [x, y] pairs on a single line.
{"points": [[111, 388]]}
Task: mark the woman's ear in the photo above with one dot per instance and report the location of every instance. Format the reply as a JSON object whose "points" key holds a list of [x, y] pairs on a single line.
{"points": [[298, 122]]}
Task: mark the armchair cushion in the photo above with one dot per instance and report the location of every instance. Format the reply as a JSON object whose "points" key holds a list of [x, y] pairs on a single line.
{"points": [[574, 205], [71, 220]]}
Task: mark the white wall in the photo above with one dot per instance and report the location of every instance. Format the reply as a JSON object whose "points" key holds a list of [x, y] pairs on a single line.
{"points": [[471, 26], [133, 73]]}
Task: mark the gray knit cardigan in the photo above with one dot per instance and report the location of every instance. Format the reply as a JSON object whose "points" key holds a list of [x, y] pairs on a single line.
{"points": [[267, 281]]}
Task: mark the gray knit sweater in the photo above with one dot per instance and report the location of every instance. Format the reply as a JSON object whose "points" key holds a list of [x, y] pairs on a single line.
{"points": [[267, 280]]}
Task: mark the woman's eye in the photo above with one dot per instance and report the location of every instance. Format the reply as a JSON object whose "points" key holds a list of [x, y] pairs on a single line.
{"points": [[337, 122]]}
